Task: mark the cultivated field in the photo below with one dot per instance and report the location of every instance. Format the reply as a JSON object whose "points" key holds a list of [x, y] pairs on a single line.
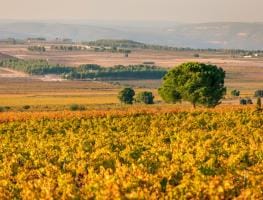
{"points": [[115, 151], [132, 153], [20, 91]]}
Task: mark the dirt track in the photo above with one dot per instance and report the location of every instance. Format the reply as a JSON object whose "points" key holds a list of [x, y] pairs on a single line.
{"points": [[9, 73]]}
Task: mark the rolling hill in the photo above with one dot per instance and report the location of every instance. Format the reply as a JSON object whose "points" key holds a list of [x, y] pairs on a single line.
{"points": [[203, 35]]}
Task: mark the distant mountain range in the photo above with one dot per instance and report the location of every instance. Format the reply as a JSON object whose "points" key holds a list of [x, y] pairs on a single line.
{"points": [[230, 35]]}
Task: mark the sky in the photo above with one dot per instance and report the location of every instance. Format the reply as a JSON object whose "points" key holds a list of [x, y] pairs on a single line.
{"points": [[134, 10]]}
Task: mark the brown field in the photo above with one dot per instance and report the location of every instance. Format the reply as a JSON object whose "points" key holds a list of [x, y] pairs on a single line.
{"points": [[32, 91], [17, 89], [33, 85], [161, 58]]}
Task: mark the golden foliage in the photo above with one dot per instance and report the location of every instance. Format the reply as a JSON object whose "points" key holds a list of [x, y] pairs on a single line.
{"points": [[149, 153]]}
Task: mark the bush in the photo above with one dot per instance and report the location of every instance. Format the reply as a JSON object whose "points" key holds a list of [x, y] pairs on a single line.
{"points": [[259, 103], [245, 101], [144, 97], [26, 107], [249, 101], [75, 107], [259, 93], [7, 107], [2, 109], [126, 95], [235, 93]]}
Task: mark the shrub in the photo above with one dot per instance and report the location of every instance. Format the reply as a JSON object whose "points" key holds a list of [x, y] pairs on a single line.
{"points": [[259, 103], [2, 109], [245, 101], [235, 93], [259, 93], [144, 97], [26, 107], [7, 107], [249, 101], [126, 95], [75, 107]]}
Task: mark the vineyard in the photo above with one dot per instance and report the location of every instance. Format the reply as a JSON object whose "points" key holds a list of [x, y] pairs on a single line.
{"points": [[132, 154]]}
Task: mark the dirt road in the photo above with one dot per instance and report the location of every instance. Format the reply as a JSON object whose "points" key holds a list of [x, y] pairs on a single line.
{"points": [[9, 73]]}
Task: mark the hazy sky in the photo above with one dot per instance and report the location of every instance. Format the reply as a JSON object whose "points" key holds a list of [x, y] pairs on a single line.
{"points": [[172, 10]]}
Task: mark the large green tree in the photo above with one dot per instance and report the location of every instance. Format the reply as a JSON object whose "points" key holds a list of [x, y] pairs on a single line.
{"points": [[197, 83]]}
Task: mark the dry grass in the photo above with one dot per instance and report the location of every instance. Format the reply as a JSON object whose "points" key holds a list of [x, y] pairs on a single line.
{"points": [[35, 86], [19, 100]]}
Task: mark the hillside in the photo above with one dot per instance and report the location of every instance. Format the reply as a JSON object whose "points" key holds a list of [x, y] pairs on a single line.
{"points": [[203, 35]]}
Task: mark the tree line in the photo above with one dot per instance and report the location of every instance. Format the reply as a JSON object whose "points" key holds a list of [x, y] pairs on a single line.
{"points": [[35, 67], [88, 71], [115, 44], [119, 72], [37, 48], [68, 48]]}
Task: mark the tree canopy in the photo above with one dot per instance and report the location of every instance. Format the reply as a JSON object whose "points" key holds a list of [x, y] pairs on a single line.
{"points": [[197, 83], [144, 97], [126, 95]]}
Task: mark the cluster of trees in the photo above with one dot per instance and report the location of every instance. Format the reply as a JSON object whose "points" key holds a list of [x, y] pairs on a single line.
{"points": [[248, 100], [127, 96], [259, 93], [37, 48], [117, 72], [35, 67], [114, 44], [68, 48], [89, 71], [245, 101], [197, 83], [235, 93], [37, 39]]}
